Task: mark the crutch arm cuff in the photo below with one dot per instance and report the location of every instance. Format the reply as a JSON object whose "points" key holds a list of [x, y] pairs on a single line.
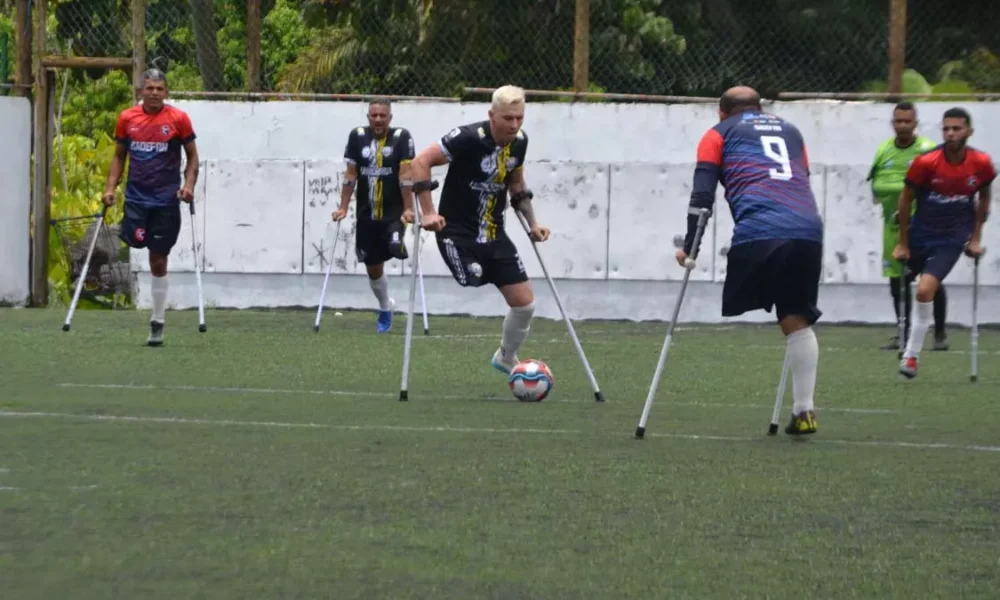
{"points": [[518, 197], [427, 185]]}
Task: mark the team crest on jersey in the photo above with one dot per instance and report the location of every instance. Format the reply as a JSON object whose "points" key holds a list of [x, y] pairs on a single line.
{"points": [[140, 234], [366, 152], [165, 130], [511, 163], [475, 269], [972, 181], [387, 151], [454, 133]]}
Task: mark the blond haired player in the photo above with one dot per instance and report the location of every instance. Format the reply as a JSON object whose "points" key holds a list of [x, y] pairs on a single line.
{"points": [[486, 163]]}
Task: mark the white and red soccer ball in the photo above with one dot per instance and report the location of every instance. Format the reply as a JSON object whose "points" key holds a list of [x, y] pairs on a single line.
{"points": [[531, 380]]}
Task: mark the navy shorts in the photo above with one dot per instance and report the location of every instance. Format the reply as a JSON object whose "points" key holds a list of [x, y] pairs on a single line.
{"points": [[766, 274], [473, 264], [934, 260], [376, 242], [152, 227]]}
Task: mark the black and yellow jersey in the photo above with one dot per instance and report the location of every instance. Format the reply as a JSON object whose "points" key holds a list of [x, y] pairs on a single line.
{"points": [[474, 197], [378, 162]]}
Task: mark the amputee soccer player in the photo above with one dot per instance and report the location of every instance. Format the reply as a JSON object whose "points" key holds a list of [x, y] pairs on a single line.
{"points": [[776, 254], [378, 160], [947, 220], [486, 163], [151, 135], [888, 171]]}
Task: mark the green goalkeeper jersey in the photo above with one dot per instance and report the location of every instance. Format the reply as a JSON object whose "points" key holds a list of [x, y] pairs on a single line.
{"points": [[888, 171]]}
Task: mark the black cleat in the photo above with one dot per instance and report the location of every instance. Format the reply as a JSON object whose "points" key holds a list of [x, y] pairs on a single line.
{"points": [[155, 334]]}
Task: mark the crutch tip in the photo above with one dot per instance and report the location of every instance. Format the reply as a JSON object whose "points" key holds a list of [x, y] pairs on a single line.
{"points": [[403, 396], [772, 429], [599, 396], [65, 326], [427, 332], [640, 432], [202, 328], [316, 328], [973, 378]]}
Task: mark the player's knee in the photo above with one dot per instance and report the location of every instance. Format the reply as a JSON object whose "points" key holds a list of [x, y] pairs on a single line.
{"points": [[375, 271], [158, 264], [791, 323], [518, 295]]}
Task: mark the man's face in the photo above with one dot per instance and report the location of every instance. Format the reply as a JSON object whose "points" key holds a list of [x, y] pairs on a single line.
{"points": [[154, 92], [505, 122], [905, 123], [956, 133], [379, 118]]}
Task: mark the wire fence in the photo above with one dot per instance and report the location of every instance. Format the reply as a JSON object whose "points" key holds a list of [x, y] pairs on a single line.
{"points": [[438, 48]]}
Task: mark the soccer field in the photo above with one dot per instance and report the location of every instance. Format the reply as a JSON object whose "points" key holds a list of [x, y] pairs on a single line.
{"points": [[264, 460]]}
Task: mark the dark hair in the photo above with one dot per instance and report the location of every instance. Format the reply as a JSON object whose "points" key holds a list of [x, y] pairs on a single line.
{"points": [[958, 113], [905, 105], [153, 75], [736, 103], [381, 102]]}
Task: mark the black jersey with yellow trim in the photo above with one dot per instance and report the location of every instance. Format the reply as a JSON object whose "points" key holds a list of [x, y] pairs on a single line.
{"points": [[474, 196], [378, 161]]}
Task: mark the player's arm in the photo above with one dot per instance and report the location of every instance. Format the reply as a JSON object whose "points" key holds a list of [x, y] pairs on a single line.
{"points": [[117, 160], [903, 215], [521, 200], [917, 176], [407, 152], [350, 179], [420, 171], [185, 131], [982, 212], [706, 179]]}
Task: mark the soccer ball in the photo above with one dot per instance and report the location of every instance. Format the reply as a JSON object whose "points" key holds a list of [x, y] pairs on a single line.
{"points": [[531, 380]]}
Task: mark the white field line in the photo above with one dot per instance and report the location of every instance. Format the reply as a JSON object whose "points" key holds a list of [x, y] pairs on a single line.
{"points": [[345, 393], [463, 430]]}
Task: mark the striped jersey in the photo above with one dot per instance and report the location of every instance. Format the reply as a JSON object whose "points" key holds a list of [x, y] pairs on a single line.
{"points": [[761, 161], [474, 196], [378, 161]]}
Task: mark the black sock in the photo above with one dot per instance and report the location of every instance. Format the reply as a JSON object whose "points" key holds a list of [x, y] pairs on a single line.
{"points": [[940, 311]]}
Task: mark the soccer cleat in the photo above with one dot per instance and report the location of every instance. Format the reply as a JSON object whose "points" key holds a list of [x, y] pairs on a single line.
{"points": [[498, 363], [908, 367], [941, 343], [384, 323], [155, 334], [802, 424]]}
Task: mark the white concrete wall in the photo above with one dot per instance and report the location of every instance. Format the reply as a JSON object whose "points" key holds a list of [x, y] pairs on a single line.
{"points": [[15, 199], [612, 180]]}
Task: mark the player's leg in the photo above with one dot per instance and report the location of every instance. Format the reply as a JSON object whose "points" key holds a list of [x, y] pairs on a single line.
{"points": [[164, 226], [893, 269], [799, 265], [934, 265], [940, 319], [505, 270], [371, 247]]}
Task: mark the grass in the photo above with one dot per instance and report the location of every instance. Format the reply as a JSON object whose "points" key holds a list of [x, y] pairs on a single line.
{"points": [[263, 460]]}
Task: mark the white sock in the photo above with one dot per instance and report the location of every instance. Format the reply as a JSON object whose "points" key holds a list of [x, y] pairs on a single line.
{"points": [[922, 322], [380, 287], [159, 290], [803, 355], [516, 325]]}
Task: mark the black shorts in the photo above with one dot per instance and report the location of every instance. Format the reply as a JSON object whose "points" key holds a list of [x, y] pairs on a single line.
{"points": [[936, 260], [774, 273], [376, 242], [473, 264], [153, 227]]}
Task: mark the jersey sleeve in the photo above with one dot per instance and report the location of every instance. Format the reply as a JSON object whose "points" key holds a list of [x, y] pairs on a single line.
{"points": [[521, 150], [185, 131], [121, 129], [456, 142], [920, 172], [351, 149], [987, 172], [876, 161], [706, 179], [405, 148]]}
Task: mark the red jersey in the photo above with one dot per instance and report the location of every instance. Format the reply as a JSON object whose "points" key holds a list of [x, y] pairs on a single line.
{"points": [[154, 144], [945, 195]]}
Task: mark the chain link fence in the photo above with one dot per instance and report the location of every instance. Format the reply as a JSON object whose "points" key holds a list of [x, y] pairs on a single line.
{"points": [[438, 48]]}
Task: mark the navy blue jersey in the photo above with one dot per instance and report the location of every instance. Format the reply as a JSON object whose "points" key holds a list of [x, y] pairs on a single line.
{"points": [[761, 161]]}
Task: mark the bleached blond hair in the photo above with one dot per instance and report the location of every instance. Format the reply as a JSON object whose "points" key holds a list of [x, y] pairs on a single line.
{"points": [[507, 95]]}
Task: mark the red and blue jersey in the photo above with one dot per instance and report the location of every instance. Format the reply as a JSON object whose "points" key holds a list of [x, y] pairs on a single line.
{"points": [[945, 194], [761, 161], [154, 142]]}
